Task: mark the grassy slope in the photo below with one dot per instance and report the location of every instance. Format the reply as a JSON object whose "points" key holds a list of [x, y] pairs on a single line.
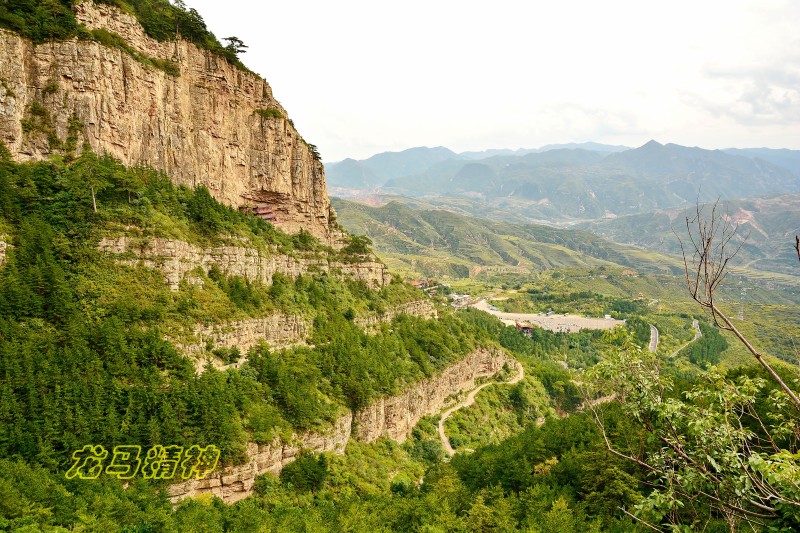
{"points": [[434, 242]]}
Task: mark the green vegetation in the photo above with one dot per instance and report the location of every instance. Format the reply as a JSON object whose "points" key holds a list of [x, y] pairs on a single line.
{"points": [[83, 359], [40, 21], [721, 448], [499, 412], [707, 350], [435, 242], [269, 113], [161, 20], [82, 349]]}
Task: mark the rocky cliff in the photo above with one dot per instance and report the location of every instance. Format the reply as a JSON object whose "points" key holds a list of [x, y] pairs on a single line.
{"points": [[393, 417], [396, 416], [280, 331], [421, 308], [175, 259], [212, 124]]}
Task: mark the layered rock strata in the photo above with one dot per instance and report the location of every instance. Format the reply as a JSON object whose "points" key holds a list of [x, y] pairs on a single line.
{"points": [[393, 417], [396, 416], [278, 330], [176, 258], [282, 331], [421, 308], [213, 125]]}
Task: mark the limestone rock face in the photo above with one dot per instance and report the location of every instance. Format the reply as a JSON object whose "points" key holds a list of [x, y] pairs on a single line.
{"points": [[396, 416], [421, 308], [277, 330], [282, 331], [393, 417], [235, 483], [207, 126], [3, 246], [176, 258]]}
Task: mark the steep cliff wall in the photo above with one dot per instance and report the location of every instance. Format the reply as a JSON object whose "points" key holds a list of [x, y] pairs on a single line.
{"points": [[281, 331], [421, 308], [235, 483], [396, 416], [176, 258], [277, 330], [393, 417], [208, 126]]}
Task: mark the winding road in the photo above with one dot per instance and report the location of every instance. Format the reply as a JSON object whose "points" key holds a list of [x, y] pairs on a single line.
{"points": [[696, 326], [653, 338], [469, 400]]}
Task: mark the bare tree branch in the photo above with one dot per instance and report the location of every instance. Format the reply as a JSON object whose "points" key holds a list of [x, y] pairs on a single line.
{"points": [[711, 251], [797, 245]]}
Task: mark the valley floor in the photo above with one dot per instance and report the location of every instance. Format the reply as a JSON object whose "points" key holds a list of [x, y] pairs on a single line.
{"points": [[556, 323]]}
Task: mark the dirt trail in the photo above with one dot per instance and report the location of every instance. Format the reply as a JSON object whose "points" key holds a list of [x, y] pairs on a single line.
{"points": [[696, 326], [469, 400]]}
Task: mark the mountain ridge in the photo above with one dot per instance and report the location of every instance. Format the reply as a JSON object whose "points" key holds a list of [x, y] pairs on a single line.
{"points": [[573, 184]]}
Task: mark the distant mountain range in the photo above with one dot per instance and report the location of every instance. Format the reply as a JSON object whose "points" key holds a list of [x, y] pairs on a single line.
{"points": [[563, 183]]}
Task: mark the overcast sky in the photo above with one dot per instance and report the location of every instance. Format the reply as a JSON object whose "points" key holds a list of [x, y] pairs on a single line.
{"points": [[362, 77]]}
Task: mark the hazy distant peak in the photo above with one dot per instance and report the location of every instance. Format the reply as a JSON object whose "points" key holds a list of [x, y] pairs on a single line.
{"points": [[652, 144]]}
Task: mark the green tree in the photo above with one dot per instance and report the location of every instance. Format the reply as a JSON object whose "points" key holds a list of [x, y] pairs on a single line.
{"points": [[89, 174], [235, 46]]}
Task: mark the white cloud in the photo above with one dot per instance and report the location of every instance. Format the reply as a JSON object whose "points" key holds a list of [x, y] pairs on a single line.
{"points": [[359, 77]]}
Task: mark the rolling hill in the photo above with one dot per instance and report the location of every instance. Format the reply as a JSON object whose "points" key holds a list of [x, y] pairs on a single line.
{"points": [[769, 225], [435, 242]]}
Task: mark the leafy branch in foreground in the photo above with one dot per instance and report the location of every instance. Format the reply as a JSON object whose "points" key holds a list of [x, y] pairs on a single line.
{"points": [[728, 450]]}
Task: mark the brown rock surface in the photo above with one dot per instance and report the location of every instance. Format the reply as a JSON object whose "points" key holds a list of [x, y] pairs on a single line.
{"points": [[201, 127]]}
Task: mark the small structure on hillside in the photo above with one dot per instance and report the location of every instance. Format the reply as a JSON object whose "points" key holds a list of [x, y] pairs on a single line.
{"points": [[263, 211], [524, 328]]}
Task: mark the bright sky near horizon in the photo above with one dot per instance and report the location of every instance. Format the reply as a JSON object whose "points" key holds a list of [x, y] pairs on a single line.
{"points": [[360, 77]]}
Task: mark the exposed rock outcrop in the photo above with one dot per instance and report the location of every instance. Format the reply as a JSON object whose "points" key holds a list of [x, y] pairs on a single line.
{"points": [[235, 483], [393, 417], [176, 258], [421, 308], [277, 330], [213, 125], [281, 331], [396, 416], [3, 246]]}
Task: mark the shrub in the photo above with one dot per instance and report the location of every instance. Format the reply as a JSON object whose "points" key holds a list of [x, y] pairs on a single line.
{"points": [[268, 113], [306, 473]]}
